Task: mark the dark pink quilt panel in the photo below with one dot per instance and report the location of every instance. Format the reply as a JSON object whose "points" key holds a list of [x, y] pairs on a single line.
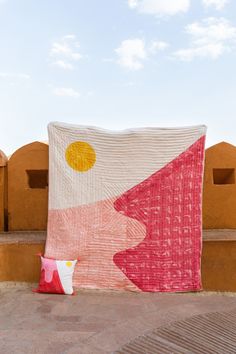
{"points": [[168, 203]]}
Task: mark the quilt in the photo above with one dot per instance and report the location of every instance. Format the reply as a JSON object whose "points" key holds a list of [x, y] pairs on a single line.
{"points": [[128, 205]]}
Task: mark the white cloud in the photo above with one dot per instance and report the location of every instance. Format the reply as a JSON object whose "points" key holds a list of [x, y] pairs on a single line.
{"points": [[65, 91], [65, 51], [160, 7], [210, 38], [133, 3], [212, 51], [132, 53], [158, 46], [107, 60], [212, 29], [69, 36], [218, 4], [64, 65], [67, 47], [20, 76]]}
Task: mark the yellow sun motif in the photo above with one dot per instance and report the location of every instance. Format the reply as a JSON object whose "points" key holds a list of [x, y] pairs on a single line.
{"points": [[69, 263], [80, 156]]}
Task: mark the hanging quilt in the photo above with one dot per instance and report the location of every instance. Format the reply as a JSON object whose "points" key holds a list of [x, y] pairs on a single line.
{"points": [[128, 205]]}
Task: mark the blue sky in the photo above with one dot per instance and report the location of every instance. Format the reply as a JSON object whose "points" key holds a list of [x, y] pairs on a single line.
{"points": [[116, 64]]}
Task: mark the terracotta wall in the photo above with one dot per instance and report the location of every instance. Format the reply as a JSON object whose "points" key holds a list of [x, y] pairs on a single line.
{"points": [[28, 191], [18, 261], [28, 188], [27, 210], [219, 187], [3, 191], [219, 265]]}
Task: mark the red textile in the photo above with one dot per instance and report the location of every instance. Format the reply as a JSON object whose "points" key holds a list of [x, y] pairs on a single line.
{"points": [[168, 203], [53, 287]]}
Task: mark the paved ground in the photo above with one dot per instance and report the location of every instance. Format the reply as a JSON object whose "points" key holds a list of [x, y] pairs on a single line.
{"points": [[92, 322], [211, 333]]}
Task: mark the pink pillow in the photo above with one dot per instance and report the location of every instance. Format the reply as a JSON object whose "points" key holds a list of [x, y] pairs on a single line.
{"points": [[56, 276]]}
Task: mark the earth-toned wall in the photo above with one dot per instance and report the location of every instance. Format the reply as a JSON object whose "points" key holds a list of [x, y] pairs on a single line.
{"points": [[219, 187], [3, 191], [27, 210], [28, 188], [18, 261]]}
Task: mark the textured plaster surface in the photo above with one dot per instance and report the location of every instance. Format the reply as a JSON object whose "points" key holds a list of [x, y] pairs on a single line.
{"points": [[219, 200], [27, 207], [18, 260]]}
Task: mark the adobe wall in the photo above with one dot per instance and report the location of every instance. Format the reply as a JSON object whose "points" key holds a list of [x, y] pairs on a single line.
{"points": [[18, 262], [27, 209], [28, 206], [27, 188], [219, 197], [219, 265], [3, 191]]}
